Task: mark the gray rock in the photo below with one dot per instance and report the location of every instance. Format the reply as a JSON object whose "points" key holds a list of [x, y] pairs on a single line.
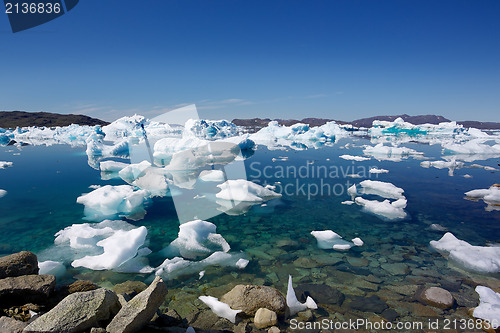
{"points": [[273, 329], [130, 288], [265, 318], [98, 330], [9, 325], [250, 298], [139, 310], [77, 312], [320, 293], [435, 296], [26, 289], [17, 264], [305, 315]]}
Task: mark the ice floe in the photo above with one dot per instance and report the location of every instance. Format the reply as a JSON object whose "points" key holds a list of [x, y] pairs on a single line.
{"points": [[382, 189], [377, 171], [219, 308], [328, 239], [354, 158], [5, 165], [212, 176], [114, 201], [490, 196], [241, 190], [293, 303], [484, 259], [451, 165], [489, 306], [2, 193], [390, 153], [197, 239], [390, 210], [50, 267]]}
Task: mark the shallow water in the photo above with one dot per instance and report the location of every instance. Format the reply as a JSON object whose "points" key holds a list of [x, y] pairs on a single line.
{"points": [[44, 182]]}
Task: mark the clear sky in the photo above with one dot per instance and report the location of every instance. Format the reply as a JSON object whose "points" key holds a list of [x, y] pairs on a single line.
{"points": [[241, 59]]}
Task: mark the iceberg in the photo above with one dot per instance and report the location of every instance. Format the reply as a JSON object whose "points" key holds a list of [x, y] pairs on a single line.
{"points": [[2, 193], [244, 190], [5, 165], [489, 306], [390, 210], [165, 148], [473, 147], [354, 158], [113, 201], [212, 153], [484, 259], [219, 308], [211, 129], [490, 196], [177, 266], [293, 303], [212, 176], [328, 239], [376, 170], [451, 165], [387, 153], [197, 238], [382, 189], [112, 166]]}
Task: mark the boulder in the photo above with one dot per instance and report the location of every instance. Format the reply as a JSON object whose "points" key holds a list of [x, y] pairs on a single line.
{"points": [[17, 264], [79, 286], [26, 289], [9, 325], [139, 310], [130, 288], [77, 312], [435, 296], [250, 298], [321, 293], [265, 318]]}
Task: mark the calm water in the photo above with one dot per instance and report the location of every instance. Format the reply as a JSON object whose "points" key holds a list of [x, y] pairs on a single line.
{"points": [[44, 182]]}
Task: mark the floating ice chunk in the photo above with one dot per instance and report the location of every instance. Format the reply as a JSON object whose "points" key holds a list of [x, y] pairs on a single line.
{"points": [[242, 263], [376, 170], [125, 127], [50, 267], [352, 191], [382, 189], [165, 148], [451, 165], [112, 201], [472, 147], [197, 238], [438, 227], [328, 239], [391, 211], [202, 274], [212, 153], [5, 165], [212, 176], [347, 202], [354, 175], [244, 190], [387, 153], [172, 268], [485, 259], [219, 308], [485, 167], [489, 306], [357, 241], [118, 248], [3, 193], [354, 158], [112, 166], [293, 303], [235, 208], [133, 171], [210, 129], [490, 196], [467, 176]]}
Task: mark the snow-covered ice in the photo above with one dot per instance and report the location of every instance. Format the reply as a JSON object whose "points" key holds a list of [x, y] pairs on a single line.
{"points": [[489, 306], [484, 259]]}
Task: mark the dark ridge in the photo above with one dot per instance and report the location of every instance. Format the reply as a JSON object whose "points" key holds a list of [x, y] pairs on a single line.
{"points": [[416, 120], [480, 125], [13, 119]]}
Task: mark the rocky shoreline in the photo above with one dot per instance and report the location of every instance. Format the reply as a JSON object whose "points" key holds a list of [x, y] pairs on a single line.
{"points": [[33, 303]]}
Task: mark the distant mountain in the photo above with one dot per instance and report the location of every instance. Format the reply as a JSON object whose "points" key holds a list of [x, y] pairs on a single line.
{"points": [[255, 124], [13, 119]]}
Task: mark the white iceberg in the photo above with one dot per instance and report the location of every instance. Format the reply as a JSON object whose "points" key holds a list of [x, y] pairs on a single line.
{"points": [[219, 308], [490, 196], [212, 153], [377, 171], [212, 176], [452, 165], [489, 306], [388, 153], [484, 259], [211, 129], [382, 189], [354, 158], [113, 201], [328, 239], [390, 210], [197, 238], [293, 303], [244, 190], [2, 193], [5, 165]]}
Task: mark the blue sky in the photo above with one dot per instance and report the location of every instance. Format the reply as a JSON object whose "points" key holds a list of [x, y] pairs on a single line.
{"points": [[242, 59]]}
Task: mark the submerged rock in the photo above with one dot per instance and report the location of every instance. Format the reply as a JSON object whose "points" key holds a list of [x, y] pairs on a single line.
{"points": [[130, 288], [27, 288], [265, 318], [79, 286], [17, 264], [321, 293], [435, 296], [250, 298], [77, 312], [140, 310], [368, 304]]}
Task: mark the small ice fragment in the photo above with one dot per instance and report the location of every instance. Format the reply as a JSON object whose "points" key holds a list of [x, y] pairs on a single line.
{"points": [[310, 303], [293, 303], [354, 175], [342, 247], [94, 187], [242, 263], [375, 170], [2, 193], [357, 241], [467, 176], [219, 308], [201, 274], [438, 227], [354, 158], [347, 202], [5, 165], [212, 176]]}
